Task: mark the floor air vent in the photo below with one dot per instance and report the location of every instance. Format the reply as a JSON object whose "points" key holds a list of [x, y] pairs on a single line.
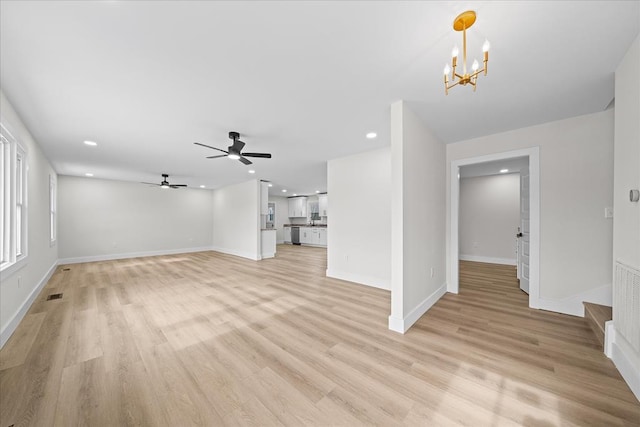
{"points": [[54, 296], [66, 269]]}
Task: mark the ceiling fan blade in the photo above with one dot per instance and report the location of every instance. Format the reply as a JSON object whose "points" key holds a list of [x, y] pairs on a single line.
{"points": [[215, 157], [245, 161], [213, 148], [177, 185], [237, 145], [262, 155]]}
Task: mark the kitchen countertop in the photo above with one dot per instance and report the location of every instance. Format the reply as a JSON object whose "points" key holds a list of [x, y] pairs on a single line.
{"points": [[267, 229], [305, 225]]}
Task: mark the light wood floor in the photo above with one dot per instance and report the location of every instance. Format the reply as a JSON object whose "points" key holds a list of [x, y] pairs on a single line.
{"points": [[210, 339]]}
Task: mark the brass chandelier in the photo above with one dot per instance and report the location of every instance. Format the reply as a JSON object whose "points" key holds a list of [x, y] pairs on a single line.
{"points": [[461, 23]]}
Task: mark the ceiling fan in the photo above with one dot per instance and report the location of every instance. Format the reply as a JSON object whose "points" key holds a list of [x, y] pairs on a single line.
{"points": [[234, 151], [165, 183]]}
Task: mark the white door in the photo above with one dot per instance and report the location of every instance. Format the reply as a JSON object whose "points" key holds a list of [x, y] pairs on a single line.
{"points": [[523, 246]]}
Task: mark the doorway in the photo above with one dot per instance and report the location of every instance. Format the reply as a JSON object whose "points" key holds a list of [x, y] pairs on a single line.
{"points": [[533, 206]]}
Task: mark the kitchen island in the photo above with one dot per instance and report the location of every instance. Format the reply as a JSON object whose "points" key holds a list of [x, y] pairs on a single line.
{"points": [[268, 242]]}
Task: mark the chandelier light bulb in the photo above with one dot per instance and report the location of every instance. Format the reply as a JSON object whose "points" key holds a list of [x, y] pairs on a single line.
{"points": [[447, 69], [485, 46], [454, 52], [475, 65]]}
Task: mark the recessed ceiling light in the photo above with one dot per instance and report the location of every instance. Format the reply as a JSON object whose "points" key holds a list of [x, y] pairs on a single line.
{"points": [[371, 135], [504, 170], [252, 171], [270, 185], [202, 186], [91, 143], [88, 174], [284, 191]]}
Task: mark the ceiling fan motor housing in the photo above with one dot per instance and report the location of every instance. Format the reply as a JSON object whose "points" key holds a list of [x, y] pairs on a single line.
{"points": [[234, 135]]}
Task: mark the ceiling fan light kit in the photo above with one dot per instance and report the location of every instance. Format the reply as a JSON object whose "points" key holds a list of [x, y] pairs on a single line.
{"points": [[462, 22], [165, 183], [234, 151]]}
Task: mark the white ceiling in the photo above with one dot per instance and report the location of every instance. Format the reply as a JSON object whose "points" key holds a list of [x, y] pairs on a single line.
{"points": [[303, 80]]}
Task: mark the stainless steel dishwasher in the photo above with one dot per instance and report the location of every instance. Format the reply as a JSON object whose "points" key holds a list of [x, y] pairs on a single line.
{"points": [[295, 235]]}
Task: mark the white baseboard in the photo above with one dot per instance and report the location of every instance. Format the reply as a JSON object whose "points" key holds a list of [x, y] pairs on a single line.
{"points": [[248, 255], [268, 255], [489, 260], [402, 325], [13, 323], [627, 360], [375, 282], [573, 305], [396, 324], [609, 338], [111, 257]]}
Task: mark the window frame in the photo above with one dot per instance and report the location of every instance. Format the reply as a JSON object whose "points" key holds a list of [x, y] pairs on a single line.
{"points": [[14, 250]]}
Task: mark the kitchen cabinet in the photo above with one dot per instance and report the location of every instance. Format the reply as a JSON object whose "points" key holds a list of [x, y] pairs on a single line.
{"points": [[323, 201], [322, 237], [298, 207], [264, 198], [305, 235], [287, 234], [316, 236]]}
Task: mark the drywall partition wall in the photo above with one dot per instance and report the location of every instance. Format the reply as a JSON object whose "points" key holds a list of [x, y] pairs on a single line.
{"points": [[236, 220], [359, 224], [282, 213], [489, 218], [103, 219], [576, 177], [19, 289], [626, 237], [418, 218], [626, 220]]}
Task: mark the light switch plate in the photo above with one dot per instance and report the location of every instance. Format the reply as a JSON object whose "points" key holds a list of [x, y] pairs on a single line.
{"points": [[608, 212]]}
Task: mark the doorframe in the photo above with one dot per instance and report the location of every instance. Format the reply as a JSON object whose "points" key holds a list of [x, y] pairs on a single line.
{"points": [[533, 154]]}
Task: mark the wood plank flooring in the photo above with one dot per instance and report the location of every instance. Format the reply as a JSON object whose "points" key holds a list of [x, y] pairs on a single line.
{"points": [[210, 339]]}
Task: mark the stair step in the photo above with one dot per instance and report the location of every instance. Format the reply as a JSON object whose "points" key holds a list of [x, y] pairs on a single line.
{"points": [[597, 315]]}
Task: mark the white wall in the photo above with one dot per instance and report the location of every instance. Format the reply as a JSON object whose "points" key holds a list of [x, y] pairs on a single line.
{"points": [[489, 218], [359, 221], [626, 222], [418, 218], [18, 290], [576, 177], [236, 219], [103, 219], [626, 238]]}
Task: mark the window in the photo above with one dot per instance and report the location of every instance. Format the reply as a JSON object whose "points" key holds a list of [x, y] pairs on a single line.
{"points": [[52, 209], [13, 203]]}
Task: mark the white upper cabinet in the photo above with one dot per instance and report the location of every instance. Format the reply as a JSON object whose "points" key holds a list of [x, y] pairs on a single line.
{"points": [[298, 207], [323, 201], [264, 198]]}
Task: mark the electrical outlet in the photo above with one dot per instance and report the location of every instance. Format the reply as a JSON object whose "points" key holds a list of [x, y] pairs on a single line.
{"points": [[608, 212], [432, 271], [19, 281], [475, 244]]}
